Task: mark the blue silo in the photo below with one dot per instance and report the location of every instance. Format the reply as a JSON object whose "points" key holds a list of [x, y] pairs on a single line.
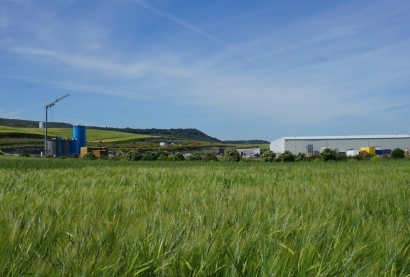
{"points": [[72, 147], [80, 135]]}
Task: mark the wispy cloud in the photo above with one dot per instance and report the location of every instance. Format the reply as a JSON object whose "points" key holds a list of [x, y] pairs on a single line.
{"points": [[195, 29], [98, 63], [341, 62]]}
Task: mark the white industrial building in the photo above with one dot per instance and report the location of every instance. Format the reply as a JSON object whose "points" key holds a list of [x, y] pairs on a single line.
{"points": [[249, 152], [314, 144]]}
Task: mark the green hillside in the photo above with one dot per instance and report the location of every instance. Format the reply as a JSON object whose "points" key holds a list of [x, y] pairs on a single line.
{"points": [[30, 123], [92, 135], [179, 133], [18, 136], [187, 133], [31, 140]]}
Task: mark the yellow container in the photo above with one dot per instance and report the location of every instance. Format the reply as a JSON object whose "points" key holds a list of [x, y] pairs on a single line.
{"points": [[368, 150]]}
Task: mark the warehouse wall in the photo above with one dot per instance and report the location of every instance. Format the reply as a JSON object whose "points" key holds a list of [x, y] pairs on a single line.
{"points": [[300, 145]]}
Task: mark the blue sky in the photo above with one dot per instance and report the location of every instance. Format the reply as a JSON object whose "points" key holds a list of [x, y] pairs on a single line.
{"points": [[244, 69]]}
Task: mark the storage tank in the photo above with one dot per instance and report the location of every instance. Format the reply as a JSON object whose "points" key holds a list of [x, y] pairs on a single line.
{"points": [[41, 125], [52, 147], [73, 147], [80, 135], [65, 148]]}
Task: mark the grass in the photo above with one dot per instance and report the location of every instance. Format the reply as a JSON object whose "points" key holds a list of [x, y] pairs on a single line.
{"points": [[104, 218]]}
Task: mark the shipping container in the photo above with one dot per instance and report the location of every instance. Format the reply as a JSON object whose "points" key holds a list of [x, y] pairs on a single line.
{"points": [[368, 150], [383, 152], [351, 153]]}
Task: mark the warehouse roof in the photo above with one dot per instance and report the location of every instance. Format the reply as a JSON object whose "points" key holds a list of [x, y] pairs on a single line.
{"points": [[346, 137]]}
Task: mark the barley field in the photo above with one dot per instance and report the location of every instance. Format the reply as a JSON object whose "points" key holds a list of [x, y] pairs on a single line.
{"points": [[105, 218]]}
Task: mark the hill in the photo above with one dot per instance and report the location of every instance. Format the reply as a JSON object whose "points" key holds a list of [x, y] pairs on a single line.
{"points": [[92, 135], [188, 134], [31, 123]]}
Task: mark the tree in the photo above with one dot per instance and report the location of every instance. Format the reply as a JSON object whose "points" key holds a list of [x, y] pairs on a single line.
{"points": [[162, 156], [397, 153], [328, 155], [196, 157], [268, 156], [231, 155], [133, 156], [300, 157], [211, 157], [287, 157], [150, 156], [178, 157]]}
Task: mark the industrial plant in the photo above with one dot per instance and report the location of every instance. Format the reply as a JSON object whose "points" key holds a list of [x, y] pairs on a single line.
{"points": [[349, 145], [58, 147]]}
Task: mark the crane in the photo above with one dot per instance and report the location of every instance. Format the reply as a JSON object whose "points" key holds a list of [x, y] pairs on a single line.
{"points": [[49, 106]]}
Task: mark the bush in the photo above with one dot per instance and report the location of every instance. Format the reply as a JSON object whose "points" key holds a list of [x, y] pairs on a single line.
{"points": [[358, 157], [397, 153], [328, 155], [287, 157], [196, 157], [300, 157], [376, 159], [231, 155], [268, 156], [90, 156], [163, 156], [133, 156], [74, 156], [150, 156], [162, 153], [210, 157], [24, 155], [341, 157], [178, 157]]}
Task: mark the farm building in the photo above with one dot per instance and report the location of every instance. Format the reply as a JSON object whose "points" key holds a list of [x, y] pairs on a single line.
{"points": [[314, 145]]}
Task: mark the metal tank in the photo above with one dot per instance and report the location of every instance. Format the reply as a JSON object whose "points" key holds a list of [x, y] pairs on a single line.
{"points": [[65, 147], [41, 125], [73, 147], [52, 147], [80, 135]]}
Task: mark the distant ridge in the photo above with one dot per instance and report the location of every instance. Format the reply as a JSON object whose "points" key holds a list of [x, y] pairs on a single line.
{"points": [[19, 123], [188, 133]]}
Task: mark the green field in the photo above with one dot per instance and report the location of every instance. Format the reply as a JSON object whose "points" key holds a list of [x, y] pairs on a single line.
{"points": [[110, 139], [105, 218], [92, 134]]}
